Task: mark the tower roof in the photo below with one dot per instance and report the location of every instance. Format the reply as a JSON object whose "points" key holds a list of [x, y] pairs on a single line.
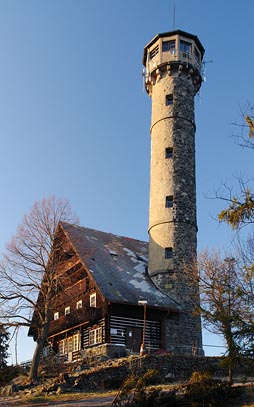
{"points": [[171, 33]]}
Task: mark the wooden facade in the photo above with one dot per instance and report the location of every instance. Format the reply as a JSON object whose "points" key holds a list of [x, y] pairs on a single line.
{"points": [[90, 312]]}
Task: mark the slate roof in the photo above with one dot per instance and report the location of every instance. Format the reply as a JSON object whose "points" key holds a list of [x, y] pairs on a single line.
{"points": [[118, 265]]}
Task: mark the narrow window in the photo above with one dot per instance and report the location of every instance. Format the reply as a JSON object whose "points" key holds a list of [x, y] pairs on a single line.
{"points": [[93, 300], [185, 46], [67, 310], [79, 304], [56, 315], [169, 46], [169, 100], [154, 52], [197, 55], [169, 201], [168, 253], [169, 152], [61, 347], [76, 342]]}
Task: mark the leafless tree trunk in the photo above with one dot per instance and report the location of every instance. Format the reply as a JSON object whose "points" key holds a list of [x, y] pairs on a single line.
{"points": [[29, 271], [222, 302]]}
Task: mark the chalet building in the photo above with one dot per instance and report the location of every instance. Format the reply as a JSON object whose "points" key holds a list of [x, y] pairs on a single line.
{"points": [[103, 278]]}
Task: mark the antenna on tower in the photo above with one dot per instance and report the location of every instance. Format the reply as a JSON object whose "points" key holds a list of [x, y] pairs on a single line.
{"points": [[174, 16], [144, 78], [203, 69]]}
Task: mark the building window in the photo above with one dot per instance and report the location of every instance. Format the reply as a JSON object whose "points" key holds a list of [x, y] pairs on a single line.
{"points": [[67, 310], [169, 100], [71, 344], [154, 52], [169, 201], [185, 46], [169, 152], [197, 54], [93, 300], [76, 339], [169, 46], [168, 253], [79, 304], [56, 315], [95, 336]]}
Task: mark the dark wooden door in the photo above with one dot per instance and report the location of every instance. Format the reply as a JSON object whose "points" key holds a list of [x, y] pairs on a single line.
{"points": [[133, 338]]}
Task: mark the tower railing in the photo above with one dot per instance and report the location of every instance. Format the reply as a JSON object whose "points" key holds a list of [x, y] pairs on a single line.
{"points": [[154, 60]]}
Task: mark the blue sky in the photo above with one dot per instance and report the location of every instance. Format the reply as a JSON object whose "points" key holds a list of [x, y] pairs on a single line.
{"points": [[74, 120]]}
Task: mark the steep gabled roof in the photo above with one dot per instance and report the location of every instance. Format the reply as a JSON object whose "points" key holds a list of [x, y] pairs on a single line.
{"points": [[118, 265]]}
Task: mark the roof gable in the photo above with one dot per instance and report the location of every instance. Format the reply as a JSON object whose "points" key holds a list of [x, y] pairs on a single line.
{"points": [[118, 266]]}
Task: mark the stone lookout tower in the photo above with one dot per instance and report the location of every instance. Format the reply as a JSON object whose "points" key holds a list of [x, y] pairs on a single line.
{"points": [[172, 73]]}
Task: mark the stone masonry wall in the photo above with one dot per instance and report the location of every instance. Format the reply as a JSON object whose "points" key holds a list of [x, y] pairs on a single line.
{"points": [[170, 368]]}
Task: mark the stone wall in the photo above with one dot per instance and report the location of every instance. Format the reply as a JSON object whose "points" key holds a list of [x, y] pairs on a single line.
{"points": [[170, 368]]}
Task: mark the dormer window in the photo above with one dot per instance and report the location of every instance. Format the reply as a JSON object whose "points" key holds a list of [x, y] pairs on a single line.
{"points": [[113, 254], [93, 300]]}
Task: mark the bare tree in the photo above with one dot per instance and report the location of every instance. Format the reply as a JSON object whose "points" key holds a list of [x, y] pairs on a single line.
{"points": [[245, 264], [221, 300], [28, 271]]}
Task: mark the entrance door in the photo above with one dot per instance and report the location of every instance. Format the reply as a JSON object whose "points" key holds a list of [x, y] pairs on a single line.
{"points": [[133, 338]]}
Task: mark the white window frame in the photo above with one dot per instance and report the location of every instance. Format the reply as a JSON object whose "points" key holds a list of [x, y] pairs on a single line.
{"points": [[93, 300], [56, 315], [95, 336], [70, 344], [67, 310], [79, 304], [76, 342]]}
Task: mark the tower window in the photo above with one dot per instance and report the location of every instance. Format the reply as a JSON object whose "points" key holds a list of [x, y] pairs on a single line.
{"points": [[197, 55], [169, 152], [154, 52], [169, 100], [168, 252], [185, 46], [169, 201], [169, 46]]}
